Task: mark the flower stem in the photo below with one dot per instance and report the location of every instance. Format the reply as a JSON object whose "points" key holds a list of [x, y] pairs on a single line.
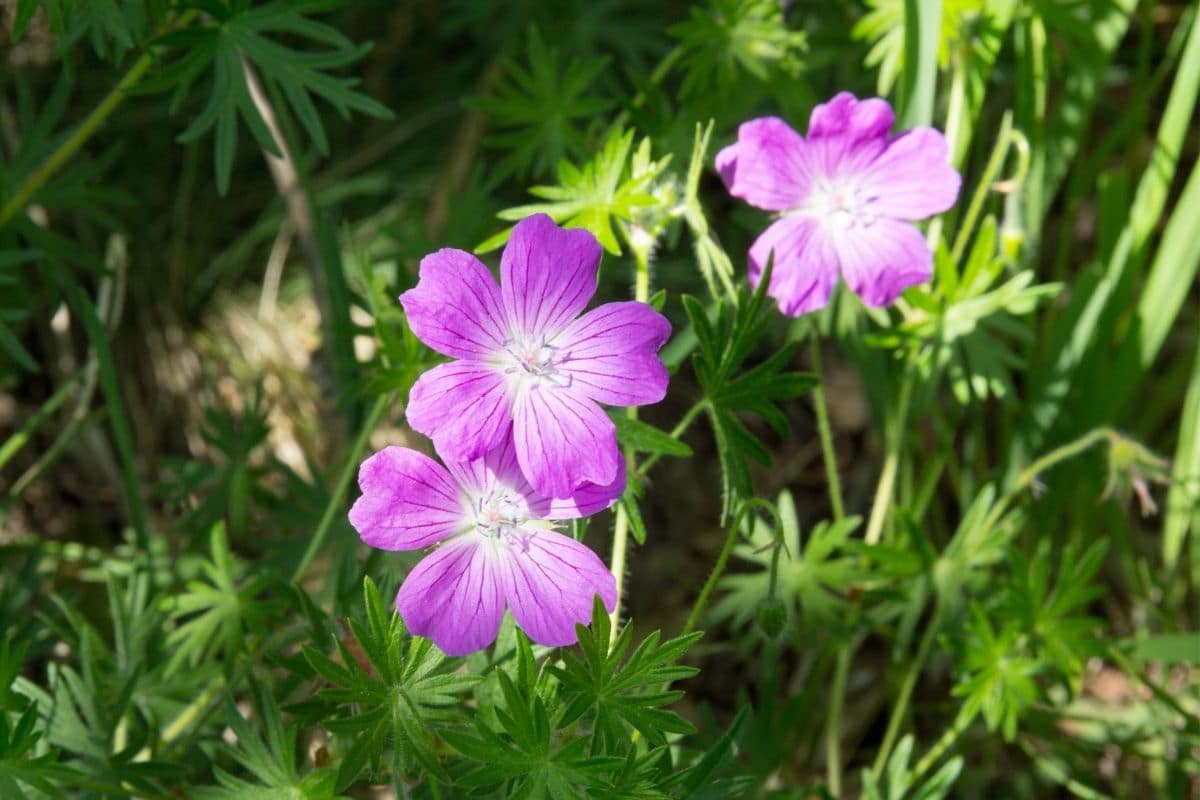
{"points": [[826, 433], [944, 742], [339, 490], [641, 293], [833, 727], [833, 723], [891, 462], [89, 126], [714, 576], [900, 709]]}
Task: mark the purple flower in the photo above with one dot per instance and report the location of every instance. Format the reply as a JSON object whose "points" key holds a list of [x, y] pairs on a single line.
{"points": [[526, 362], [845, 197], [496, 549]]}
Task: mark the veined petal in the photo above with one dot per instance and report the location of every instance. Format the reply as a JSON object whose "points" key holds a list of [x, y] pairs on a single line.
{"points": [[912, 178], [455, 306], [611, 354], [882, 259], [805, 267], [549, 582], [408, 501], [585, 500], [563, 439], [463, 406], [454, 596], [767, 166], [547, 275], [848, 117]]}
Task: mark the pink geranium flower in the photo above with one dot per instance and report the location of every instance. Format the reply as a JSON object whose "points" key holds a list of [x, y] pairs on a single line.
{"points": [[845, 197], [527, 365], [495, 547]]}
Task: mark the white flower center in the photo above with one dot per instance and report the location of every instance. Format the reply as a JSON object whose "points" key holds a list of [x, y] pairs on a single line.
{"points": [[498, 513], [839, 203], [533, 362]]}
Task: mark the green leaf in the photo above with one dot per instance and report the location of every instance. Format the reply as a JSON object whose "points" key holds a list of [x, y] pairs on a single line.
{"points": [[618, 695], [235, 33], [729, 38], [646, 438], [1172, 648], [389, 696], [605, 191], [537, 109], [723, 349]]}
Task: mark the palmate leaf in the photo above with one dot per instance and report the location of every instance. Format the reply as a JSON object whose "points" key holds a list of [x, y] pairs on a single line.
{"points": [[1051, 614], [966, 325], [611, 187], [529, 756], [389, 691], [216, 615], [734, 36], [112, 27], [537, 108], [617, 694], [237, 31], [724, 346], [24, 765], [267, 750], [996, 678], [813, 573]]}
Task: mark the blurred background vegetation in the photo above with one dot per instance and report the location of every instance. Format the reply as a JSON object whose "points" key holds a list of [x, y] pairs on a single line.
{"points": [[197, 316]]}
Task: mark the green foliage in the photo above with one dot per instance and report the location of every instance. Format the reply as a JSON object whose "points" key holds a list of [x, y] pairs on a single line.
{"points": [[184, 372], [267, 752], [537, 107], [616, 693], [898, 781], [393, 689], [731, 38], [216, 615], [967, 328], [724, 345], [810, 575], [609, 189], [241, 40]]}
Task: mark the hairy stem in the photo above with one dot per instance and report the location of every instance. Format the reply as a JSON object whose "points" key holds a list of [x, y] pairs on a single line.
{"points": [[714, 576], [641, 293]]}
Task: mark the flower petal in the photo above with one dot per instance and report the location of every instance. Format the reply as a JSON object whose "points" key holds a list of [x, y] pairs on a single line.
{"points": [[455, 306], [408, 501], [848, 117], [767, 166], [805, 268], [454, 596], [611, 354], [881, 260], [563, 440], [549, 581], [547, 275], [587, 499], [912, 178], [464, 407]]}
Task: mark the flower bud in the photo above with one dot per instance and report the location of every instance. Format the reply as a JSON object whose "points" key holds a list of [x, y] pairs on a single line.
{"points": [[772, 617]]}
